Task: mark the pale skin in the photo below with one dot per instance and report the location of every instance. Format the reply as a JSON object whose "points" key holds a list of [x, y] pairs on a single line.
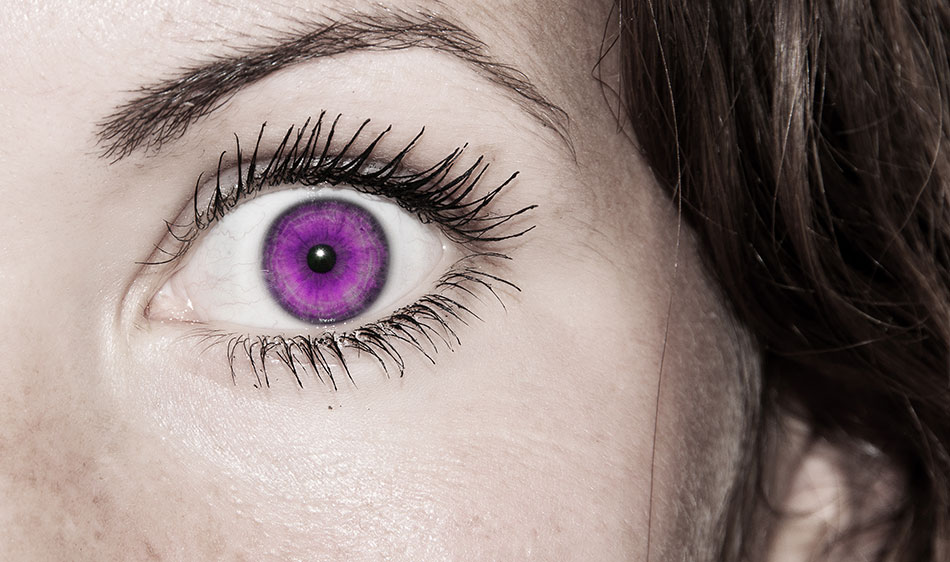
{"points": [[594, 416]]}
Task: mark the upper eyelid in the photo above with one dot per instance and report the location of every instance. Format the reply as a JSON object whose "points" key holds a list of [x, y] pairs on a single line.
{"points": [[162, 112], [462, 209], [292, 161]]}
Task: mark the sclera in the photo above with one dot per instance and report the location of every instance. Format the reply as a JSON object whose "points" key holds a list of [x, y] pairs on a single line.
{"points": [[222, 282]]}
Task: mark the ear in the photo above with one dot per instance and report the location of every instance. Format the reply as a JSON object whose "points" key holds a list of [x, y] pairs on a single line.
{"points": [[830, 501]]}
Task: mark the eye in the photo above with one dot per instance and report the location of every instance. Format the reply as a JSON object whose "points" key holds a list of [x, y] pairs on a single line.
{"points": [[300, 258], [324, 252]]}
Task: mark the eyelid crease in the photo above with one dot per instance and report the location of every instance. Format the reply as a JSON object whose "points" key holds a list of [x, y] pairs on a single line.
{"points": [[429, 193]]}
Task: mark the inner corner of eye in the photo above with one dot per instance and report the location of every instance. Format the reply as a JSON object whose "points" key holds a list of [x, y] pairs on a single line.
{"points": [[300, 259], [171, 303]]}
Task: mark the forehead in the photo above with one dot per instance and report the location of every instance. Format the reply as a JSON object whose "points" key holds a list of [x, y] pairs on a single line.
{"points": [[98, 36]]}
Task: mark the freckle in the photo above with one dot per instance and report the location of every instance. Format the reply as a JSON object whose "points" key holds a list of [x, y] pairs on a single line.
{"points": [[151, 552]]}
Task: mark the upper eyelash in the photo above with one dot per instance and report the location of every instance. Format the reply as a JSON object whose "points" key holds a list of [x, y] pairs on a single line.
{"points": [[303, 157]]}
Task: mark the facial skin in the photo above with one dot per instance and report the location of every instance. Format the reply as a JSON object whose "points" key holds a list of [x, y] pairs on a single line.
{"points": [[593, 416]]}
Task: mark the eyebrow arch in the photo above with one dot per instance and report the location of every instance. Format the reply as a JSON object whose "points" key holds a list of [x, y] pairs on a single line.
{"points": [[163, 111]]}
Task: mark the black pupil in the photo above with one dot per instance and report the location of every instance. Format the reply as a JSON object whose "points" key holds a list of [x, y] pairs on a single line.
{"points": [[321, 258]]}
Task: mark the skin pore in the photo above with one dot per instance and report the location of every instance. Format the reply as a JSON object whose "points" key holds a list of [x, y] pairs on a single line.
{"points": [[595, 415]]}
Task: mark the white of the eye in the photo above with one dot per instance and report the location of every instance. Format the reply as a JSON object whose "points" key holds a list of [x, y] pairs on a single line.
{"points": [[221, 282]]}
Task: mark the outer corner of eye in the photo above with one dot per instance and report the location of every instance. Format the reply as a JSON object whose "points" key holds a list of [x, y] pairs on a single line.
{"points": [[301, 258]]}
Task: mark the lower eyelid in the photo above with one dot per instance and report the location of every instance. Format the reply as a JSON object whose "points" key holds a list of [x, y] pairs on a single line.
{"points": [[427, 326]]}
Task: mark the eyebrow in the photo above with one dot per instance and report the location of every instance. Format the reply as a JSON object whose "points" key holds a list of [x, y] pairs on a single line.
{"points": [[163, 111]]}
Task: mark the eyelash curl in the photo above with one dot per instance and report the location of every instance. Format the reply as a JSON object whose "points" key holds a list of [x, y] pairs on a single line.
{"points": [[437, 194]]}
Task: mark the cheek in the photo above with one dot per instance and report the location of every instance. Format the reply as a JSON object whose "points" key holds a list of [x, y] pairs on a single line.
{"points": [[73, 471], [510, 449], [641, 342], [534, 438]]}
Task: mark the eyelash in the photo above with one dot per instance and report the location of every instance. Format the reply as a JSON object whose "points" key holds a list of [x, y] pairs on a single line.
{"points": [[421, 325], [303, 157]]}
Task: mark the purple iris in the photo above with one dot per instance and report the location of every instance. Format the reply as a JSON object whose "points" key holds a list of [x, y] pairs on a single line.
{"points": [[325, 260]]}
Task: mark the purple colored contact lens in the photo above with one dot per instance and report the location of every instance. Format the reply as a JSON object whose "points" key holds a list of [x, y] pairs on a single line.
{"points": [[325, 260]]}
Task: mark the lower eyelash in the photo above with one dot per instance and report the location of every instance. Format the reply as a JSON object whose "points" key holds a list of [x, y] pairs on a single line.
{"points": [[425, 326]]}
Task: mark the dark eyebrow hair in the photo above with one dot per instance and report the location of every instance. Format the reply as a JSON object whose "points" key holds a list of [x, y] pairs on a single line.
{"points": [[163, 111]]}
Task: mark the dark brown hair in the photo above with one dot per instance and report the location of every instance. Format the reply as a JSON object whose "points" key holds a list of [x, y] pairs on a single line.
{"points": [[807, 141]]}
